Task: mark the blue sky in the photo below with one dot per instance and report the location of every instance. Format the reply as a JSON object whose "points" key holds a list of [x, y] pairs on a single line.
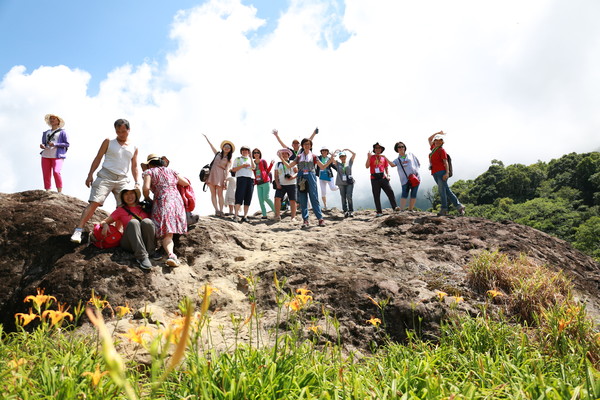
{"points": [[97, 35], [509, 80]]}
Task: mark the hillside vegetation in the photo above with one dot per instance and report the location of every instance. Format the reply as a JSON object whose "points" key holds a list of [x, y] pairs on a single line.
{"points": [[560, 197]]}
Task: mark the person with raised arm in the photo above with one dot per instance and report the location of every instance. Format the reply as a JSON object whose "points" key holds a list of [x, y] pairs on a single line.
{"points": [[307, 180], [344, 180], [218, 173], [119, 156], [380, 178], [295, 149], [438, 163]]}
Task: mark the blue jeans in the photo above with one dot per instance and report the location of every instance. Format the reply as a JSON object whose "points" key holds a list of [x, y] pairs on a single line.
{"points": [[444, 190], [412, 189], [346, 195], [312, 193]]}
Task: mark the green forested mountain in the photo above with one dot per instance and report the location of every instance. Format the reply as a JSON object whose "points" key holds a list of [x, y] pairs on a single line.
{"points": [[561, 197]]}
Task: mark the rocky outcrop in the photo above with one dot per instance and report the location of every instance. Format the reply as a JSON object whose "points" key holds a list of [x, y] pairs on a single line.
{"points": [[404, 257]]}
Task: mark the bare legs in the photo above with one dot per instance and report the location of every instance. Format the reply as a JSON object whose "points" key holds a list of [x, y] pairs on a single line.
{"points": [[216, 196]]}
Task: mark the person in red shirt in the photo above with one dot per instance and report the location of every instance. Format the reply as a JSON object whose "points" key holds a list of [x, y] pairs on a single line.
{"points": [[380, 178], [138, 228], [438, 161]]}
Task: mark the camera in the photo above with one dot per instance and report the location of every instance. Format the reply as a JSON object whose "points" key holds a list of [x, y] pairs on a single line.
{"points": [[316, 130], [288, 176]]}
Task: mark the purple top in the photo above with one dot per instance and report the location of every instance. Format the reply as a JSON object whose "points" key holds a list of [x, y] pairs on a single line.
{"points": [[61, 142]]}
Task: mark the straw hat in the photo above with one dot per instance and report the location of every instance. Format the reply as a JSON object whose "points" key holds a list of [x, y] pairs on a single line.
{"points": [[61, 122], [137, 191], [224, 142], [151, 157]]}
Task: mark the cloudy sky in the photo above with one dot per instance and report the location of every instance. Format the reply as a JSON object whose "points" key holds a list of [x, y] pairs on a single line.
{"points": [[510, 80]]}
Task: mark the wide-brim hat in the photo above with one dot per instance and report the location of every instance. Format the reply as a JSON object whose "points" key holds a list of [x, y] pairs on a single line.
{"points": [[137, 191], [151, 157], [377, 144], [280, 152], [224, 142], [61, 122]]}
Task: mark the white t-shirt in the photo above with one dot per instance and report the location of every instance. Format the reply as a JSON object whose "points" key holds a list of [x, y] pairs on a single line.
{"points": [[246, 171], [282, 170]]}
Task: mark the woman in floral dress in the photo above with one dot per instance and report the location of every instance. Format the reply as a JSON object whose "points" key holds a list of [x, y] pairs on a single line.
{"points": [[168, 211]]}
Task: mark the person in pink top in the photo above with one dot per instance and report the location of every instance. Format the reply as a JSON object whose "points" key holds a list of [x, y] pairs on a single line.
{"points": [[138, 228], [380, 177]]}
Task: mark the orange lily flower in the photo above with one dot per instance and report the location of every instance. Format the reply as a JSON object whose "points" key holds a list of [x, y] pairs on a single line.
{"points": [[26, 318], [374, 321], [39, 299], [135, 335], [96, 375]]}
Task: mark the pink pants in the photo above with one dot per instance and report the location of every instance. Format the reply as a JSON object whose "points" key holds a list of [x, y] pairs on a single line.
{"points": [[52, 166]]}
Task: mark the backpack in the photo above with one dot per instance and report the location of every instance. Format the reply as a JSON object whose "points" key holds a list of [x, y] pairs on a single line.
{"points": [[112, 238], [188, 196], [449, 165], [205, 172]]}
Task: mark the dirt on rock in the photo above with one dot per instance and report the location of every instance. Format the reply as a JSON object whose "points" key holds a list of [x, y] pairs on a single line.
{"points": [[349, 265]]}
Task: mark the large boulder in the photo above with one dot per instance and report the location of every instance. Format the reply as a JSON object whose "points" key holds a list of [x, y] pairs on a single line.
{"points": [[402, 258]]}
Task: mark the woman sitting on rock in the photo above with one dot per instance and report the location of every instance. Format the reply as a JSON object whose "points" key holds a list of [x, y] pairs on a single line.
{"points": [[138, 228], [168, 211]]}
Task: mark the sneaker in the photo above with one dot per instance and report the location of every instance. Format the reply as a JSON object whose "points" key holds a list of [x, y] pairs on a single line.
{"points": [[321, 222], [277, 218], [145, 264], [397, 209], [461, 210], [236, 219], [305, 224], [76, 236], [244, 219], [442, 213], [350, 214], [172, 261], [379, 215], [264, 217], [157, 255], [323, 208], [346, 214]]}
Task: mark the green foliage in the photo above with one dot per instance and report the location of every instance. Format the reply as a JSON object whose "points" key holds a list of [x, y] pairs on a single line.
{"points": [[555, 198], [587, 237]]}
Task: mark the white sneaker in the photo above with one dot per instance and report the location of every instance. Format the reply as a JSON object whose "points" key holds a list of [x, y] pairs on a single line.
{"points": [[76, 236]]}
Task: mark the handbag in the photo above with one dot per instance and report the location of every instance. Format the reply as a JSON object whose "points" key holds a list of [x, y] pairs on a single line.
{"points": [[413, 180], [110, 240]]}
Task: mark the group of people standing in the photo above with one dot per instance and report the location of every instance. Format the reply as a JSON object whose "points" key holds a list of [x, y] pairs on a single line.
{"points": [[296, 174], [231, 182]]}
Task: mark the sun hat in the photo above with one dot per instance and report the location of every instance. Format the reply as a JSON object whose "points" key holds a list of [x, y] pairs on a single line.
{"points": [[224, 142], [438, 137], [288, 151], [325, 148], [377, 144], [61, 122], [137, 191], [151, 157], [245, 148]]}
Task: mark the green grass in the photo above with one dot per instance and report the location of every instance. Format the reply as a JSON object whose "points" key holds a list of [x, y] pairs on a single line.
{"points": [[552, 357]]}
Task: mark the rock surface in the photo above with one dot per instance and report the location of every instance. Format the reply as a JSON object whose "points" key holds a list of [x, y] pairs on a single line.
{"points": [[405, 257]]}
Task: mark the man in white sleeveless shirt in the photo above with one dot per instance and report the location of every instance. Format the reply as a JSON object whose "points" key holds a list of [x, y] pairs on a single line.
{"points": [[119, 154]]}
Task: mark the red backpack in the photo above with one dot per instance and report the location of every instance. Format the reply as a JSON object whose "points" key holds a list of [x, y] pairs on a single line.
{"points": [[188, 196], [112, 238]]}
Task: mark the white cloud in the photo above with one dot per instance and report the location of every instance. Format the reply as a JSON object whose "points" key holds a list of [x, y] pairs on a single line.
{"points": [[509, 80]]}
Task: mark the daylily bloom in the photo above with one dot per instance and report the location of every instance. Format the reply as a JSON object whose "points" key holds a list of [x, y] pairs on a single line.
{"points": [[135, 335], [315, 328], [303, 291], [39, 299], [374, 321], [58, 315], [294, 305], [96, 375], [493, 293], [123, 310], [562, 324], [373, 301], [26, 318], [441, 295], [97, 301], [458, 299], [304, 298], [14, 363]]}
